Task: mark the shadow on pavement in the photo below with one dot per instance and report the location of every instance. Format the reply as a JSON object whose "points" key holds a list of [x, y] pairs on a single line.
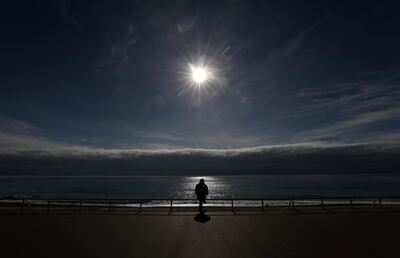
{"points": [[202, 218]]}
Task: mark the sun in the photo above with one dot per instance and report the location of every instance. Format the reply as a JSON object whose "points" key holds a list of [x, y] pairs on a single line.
{"points": [[199, 74], [199, 78]]}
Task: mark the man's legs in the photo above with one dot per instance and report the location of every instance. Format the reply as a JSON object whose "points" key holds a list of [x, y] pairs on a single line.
{"points": [[201, 206]]}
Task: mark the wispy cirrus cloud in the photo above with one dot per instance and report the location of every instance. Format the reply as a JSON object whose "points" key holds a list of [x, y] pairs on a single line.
{"points": [[296, 42], [63, 7], [350, 125], [264, 70], [379, 90], [11, 141], [157, 135], [352, 107], [20, 135], [120, 51]]}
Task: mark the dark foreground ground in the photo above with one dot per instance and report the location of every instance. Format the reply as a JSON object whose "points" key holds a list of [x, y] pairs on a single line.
{"points": [[293, 234]]}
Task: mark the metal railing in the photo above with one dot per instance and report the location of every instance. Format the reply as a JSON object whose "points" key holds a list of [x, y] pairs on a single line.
{"points": [[262, 203]]}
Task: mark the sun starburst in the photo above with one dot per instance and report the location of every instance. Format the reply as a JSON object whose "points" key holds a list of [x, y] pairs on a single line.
{"points": [[199, 74]]}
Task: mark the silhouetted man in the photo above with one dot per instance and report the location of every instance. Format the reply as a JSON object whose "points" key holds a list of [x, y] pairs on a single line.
{"points": [[201, 191]]}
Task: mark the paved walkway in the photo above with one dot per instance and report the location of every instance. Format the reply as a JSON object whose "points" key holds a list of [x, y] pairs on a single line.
{"points": [[363, 234]]}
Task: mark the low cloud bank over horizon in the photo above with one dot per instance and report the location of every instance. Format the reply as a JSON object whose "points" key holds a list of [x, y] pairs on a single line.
{"points": [[313, 158]]}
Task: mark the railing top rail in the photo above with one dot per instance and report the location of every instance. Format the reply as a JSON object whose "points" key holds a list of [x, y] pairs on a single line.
{"points": [[316, 198]]}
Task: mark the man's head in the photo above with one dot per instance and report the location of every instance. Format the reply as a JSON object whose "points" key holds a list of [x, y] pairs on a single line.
{"points": [[202, 181]]}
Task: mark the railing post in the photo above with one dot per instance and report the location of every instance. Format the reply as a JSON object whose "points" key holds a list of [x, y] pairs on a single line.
{"points": [[109, 207], [140, 205], [233, 210], [293, 204], [351, 203], [170, 207], [380, 202], [80, 205], [48, 205], [322, 204], [262, 204], [22, 204]]}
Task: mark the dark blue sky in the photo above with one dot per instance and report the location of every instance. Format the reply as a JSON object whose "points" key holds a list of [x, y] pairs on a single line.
{"points": [[111, 74]]}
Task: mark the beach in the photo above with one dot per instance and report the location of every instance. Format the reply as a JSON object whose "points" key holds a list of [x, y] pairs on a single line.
{"points": [[357, 233]]}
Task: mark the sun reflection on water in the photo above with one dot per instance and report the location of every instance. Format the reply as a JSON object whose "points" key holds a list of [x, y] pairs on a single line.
{"points": [[218, 189]]}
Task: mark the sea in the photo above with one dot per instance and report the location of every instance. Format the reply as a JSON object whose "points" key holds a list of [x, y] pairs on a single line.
{"points": [[182, 187]]}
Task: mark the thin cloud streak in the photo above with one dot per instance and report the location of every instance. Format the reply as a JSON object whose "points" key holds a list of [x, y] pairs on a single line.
{"points": [[349, 125], [364, 95], [63, 8], [293, 45], [303, 158], [284, 149]]}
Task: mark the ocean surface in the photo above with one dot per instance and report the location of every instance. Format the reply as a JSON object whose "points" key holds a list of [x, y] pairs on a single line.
{"points": [[220, 187]]}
